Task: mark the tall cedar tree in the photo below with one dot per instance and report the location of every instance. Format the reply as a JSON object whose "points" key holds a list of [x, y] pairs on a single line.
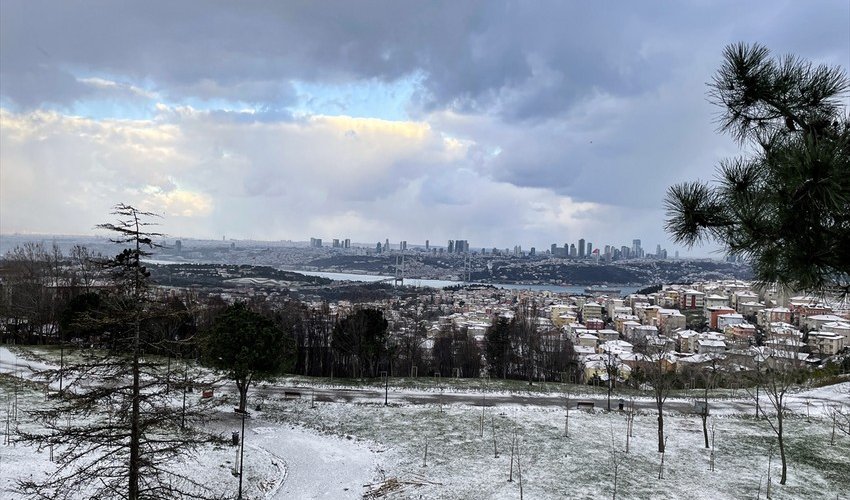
{"points": [[117, 431]]}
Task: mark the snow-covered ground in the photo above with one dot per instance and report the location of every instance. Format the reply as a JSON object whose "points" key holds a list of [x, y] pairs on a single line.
{"points": [[298, 449], [281, 461], [462, 464]]}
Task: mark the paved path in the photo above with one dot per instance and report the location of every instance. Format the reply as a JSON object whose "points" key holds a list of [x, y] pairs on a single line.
{"points": [[473, 399], [344, 466]]}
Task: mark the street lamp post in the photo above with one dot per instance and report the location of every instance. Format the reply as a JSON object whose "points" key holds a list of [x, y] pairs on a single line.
{"points": [[758, 382], [241, 454]]}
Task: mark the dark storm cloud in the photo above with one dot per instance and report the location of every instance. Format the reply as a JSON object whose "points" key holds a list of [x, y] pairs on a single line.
{"points": [[520, 60]]}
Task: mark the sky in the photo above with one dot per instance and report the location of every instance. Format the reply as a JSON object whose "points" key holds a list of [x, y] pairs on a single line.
{"points": [[499, 122]]}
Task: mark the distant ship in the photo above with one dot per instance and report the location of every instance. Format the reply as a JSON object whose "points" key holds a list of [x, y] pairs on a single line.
{"points": [[601, 290]]}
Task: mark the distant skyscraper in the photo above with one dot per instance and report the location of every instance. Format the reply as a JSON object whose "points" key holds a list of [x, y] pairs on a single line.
{"points": [[335, 243], [589, 249], [636, 249], [573, 250], [532, 252], [427, 245], [316, 242], [450, 248], [403, 245], [347, 243], [178, 245], [581, 244], [554, 249], [378, 247]]}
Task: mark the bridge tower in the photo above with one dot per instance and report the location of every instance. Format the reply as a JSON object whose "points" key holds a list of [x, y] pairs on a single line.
{"points": [[399, 270]]}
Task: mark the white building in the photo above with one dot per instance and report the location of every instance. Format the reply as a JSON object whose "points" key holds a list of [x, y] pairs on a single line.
{"points": [[840, 327], [731, 319], [817, 321], [708, 345], [826, 343]]}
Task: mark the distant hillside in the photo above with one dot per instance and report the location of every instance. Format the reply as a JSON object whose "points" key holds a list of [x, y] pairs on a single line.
{"points": [[539, 270], [227, 276]]}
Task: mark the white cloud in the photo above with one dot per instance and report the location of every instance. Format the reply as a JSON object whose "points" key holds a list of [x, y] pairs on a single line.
{"points": [[119, 87], [364, 179]]}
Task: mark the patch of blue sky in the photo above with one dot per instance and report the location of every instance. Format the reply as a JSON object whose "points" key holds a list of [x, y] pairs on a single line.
{"points": [[112, 97], [237, 110], [8, 104], [117, 97], [370, 98], [146, 108], [214, 104], [113, 109]]}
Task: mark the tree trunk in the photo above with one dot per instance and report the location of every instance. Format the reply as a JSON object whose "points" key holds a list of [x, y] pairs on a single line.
{"points": [[243, 395], [660, 429], [135, 434], [705, 429], [133, 489], [781, 448]]}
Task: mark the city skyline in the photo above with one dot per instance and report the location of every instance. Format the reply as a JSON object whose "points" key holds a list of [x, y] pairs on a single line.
{"points": [[498, 121], [457, 246]]}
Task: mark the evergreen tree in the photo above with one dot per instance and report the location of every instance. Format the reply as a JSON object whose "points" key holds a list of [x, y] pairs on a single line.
{"points": [[247, 345], [117, 431], [786, 205], [360, 341], [498, 347]]}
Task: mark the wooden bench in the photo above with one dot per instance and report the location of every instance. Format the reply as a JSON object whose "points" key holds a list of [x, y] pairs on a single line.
{"points": [[585, 405], [291, 394]]}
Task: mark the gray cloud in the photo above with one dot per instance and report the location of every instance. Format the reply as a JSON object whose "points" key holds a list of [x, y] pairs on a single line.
{"points": [[551, 104], [519, 59]]}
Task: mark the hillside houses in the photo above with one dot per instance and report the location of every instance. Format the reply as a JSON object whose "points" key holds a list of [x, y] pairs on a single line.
{"points": [[710, 321], [696, 324]]}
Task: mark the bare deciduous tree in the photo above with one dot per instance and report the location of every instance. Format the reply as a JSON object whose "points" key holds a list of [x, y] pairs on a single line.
{"points": [[659, 375], [775, 382]]}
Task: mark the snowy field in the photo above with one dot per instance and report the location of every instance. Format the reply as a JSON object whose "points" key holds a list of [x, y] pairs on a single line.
{"points": [[462, 464], [339, 450]]}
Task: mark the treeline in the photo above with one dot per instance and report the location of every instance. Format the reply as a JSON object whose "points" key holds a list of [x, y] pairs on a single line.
{"points": [[50, 298]]}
